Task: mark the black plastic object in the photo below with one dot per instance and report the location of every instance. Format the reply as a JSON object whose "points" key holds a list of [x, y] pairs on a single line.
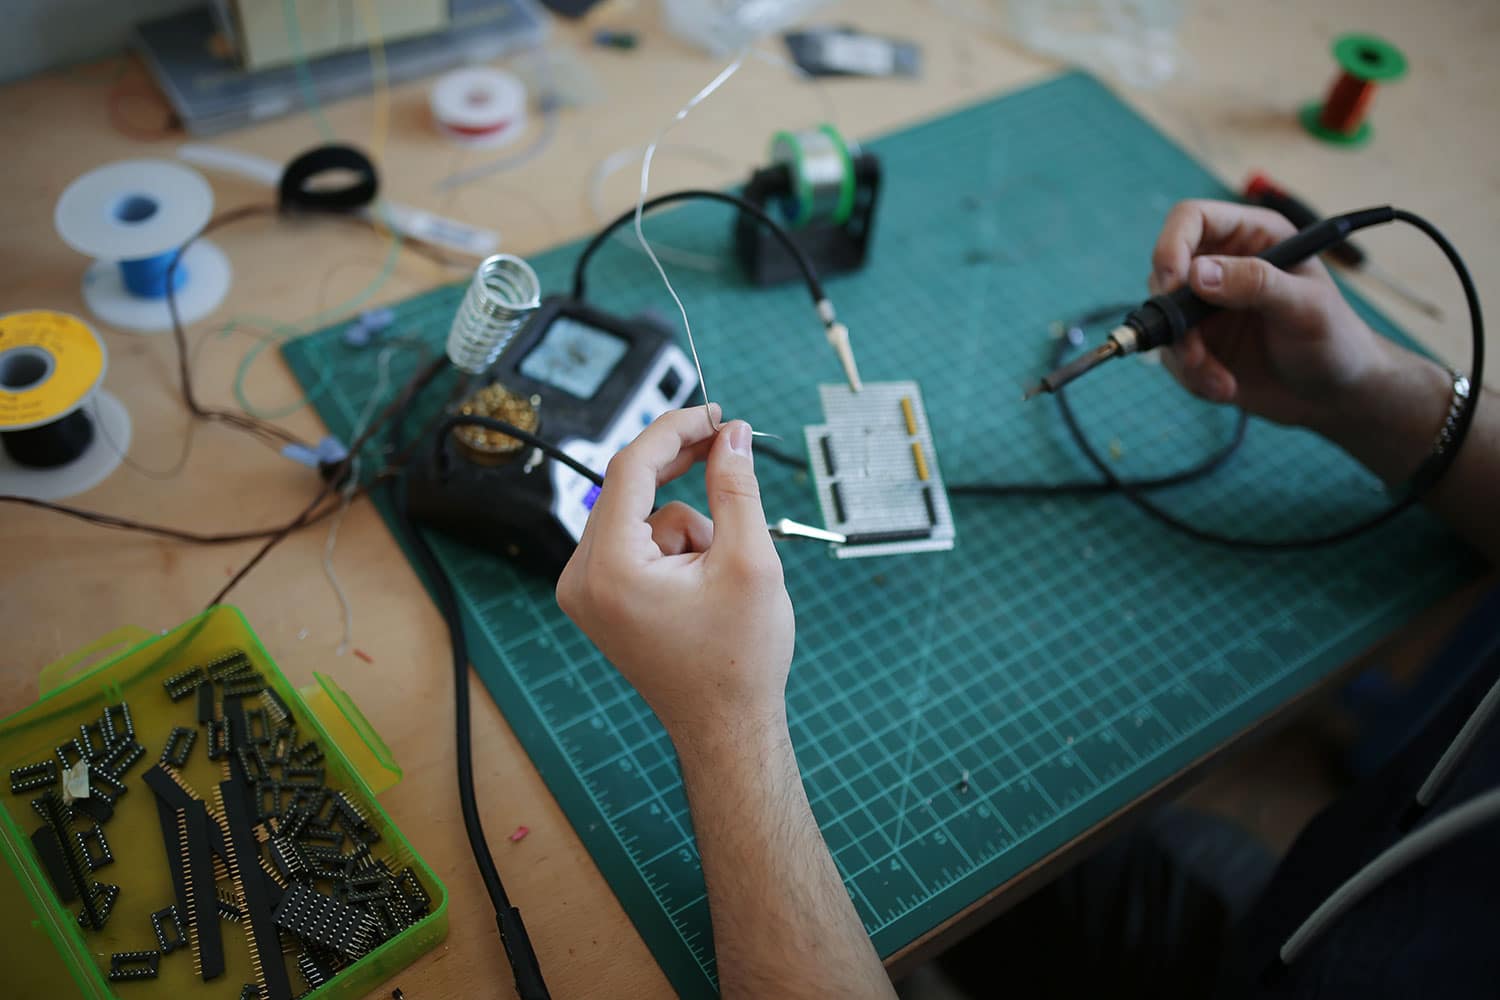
{"points": [[508, 509], [832, 248], [294, 193], [1163, 319], [50, 445]]}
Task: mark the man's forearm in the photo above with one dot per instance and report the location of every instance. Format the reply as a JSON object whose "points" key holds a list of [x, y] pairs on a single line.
{"points": [[1390, 423], [783, 924]]}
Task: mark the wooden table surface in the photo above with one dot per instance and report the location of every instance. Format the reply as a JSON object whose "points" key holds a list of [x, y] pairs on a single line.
{"points": [[1245, 69]]}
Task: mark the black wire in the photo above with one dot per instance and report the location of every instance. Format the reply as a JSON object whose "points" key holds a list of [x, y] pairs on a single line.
{"points": [[786, 458], [525, 437], [1099, 487], [518, 949], [1133, 491], [809, 273]]}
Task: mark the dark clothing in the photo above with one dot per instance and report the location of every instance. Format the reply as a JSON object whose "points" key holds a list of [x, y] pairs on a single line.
{"points": [[1188, 905]]}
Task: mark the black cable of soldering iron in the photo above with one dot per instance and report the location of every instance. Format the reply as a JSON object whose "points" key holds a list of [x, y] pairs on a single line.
{"points": [[1097, 487], [777, 230], [517, 943], [1415, 492]]}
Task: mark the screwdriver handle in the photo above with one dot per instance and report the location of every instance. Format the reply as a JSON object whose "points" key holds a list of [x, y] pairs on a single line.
{"points": [[1164, 319], [1260, 190]]}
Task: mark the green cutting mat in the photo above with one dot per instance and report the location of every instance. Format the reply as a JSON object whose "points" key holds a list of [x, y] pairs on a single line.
{"points": [[1069, 654]]}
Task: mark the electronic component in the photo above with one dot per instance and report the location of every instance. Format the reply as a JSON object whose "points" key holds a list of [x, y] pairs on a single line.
{"points": [[69, 754], [96, 852], [103, 895], [218, 739], [180, 685], [179, 744], [876, 473], [167, 927], [208, 943], [62, 857], [104, 785], [317, 917], [313, 974], [121, 757], [242, 859], [33, 776], [127, 965], [593, 381], [91, 739], [826, 192]]}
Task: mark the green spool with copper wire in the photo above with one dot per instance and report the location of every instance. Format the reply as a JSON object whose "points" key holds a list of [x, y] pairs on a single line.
{"points": [[1364, 62]]}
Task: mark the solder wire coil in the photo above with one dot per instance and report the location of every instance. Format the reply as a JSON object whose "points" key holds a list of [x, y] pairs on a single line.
{"points": [[504, 292], [822, 175]]}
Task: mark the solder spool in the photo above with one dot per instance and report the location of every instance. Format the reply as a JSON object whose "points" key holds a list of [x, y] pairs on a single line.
{"points": [[132, 217], [1364, 62], [822, 175], [60, 434], [479, 106]]}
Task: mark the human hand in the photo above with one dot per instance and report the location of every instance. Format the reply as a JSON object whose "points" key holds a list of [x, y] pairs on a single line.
{"points": [[692, 611], [1286, 346]]}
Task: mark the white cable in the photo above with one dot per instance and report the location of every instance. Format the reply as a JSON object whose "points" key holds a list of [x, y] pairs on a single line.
{"points": [[640, 202], [382, 382], [1463, 742], [1454, 823], [617, 161]]}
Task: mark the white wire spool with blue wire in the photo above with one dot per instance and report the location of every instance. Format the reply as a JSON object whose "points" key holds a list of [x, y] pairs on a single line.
{"points": [[131, 218]]}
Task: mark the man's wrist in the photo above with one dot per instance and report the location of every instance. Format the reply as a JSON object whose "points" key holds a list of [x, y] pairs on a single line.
{"points": [[1390, 418], [712, 741]]}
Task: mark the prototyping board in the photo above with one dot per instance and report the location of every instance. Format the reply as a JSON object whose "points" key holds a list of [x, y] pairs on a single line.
{"points": [[875, 471], [1070, 655]]}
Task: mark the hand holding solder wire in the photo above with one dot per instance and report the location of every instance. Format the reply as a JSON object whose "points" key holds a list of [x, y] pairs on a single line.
{"points": [[693, 612]]}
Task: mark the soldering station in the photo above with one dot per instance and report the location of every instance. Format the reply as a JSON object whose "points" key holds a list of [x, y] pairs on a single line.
{"points": [[494, 443]]}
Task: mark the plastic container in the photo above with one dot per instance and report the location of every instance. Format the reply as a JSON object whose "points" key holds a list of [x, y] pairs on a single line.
{"points": [[46, 953], [722, 26]]}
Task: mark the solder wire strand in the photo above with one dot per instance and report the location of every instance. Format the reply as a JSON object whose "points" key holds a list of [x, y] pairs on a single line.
{"points": [[640, 210]]}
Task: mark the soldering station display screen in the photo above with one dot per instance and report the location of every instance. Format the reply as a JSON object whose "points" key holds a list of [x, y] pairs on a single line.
{"points": [[574, 357]]}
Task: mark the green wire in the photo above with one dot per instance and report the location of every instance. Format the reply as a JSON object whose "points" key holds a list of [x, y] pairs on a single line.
{"points": [[283, 332]]}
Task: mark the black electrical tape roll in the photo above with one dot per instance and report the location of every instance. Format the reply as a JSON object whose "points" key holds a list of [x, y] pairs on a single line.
{"points": [[293, 193], [50, 445]]}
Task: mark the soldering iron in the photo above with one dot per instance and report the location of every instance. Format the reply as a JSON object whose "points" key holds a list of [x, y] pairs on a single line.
{"points": [[1164, 319]]}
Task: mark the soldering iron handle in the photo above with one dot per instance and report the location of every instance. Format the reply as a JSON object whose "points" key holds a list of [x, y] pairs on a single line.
{"points": [[1164, 319]]}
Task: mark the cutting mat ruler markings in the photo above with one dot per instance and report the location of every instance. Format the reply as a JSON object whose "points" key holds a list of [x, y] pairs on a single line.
{"points": [[1037, 655]]}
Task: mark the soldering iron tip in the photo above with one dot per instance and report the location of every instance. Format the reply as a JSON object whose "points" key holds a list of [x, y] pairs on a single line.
{"points": [[1034, 391]]}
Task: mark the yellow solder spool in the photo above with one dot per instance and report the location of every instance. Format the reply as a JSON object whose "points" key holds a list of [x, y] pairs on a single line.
{"points": [[49, 363], [60, 433]]}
